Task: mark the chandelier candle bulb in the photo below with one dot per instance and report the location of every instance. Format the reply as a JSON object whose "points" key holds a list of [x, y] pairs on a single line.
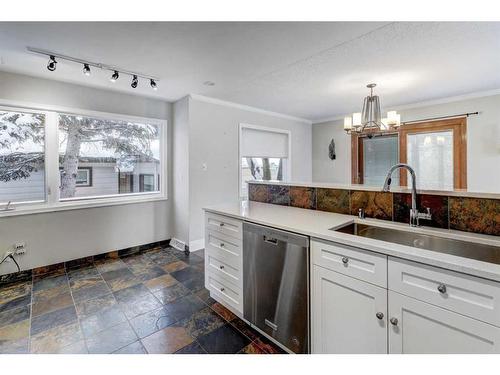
{"points": [[347, 123], [356, 119]]}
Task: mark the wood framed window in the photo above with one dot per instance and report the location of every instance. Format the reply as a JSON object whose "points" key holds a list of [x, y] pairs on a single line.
{"points": [[420, 144]]}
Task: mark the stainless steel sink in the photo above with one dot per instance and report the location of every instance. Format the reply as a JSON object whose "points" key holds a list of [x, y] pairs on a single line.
{"points": [[485, 253]]}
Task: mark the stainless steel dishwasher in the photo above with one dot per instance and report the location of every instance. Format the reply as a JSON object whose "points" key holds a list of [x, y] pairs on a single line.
{"points": [[276, 284]]}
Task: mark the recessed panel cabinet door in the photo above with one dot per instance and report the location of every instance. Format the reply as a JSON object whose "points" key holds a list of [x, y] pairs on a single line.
{"points": [[424, 328], [348, 315]]}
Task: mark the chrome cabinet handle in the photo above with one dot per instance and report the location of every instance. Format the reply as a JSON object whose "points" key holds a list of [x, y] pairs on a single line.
{"points": [[442, 288], [345, 260], [222, 289], [221, 267], [394, 321], [221, 224], [222, 244], [379, 315]]}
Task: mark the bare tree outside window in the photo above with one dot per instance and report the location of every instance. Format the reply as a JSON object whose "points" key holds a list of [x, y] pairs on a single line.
{"points": [[22, 156], [123, 147], [260, 169]]}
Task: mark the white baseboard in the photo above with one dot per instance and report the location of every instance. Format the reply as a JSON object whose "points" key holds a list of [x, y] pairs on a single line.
{"points": [[197, 245]]}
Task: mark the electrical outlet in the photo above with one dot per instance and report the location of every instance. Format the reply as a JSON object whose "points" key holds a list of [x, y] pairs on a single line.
{"points": [[20, 248]]}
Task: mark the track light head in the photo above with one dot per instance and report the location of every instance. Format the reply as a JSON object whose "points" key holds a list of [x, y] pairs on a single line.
{"points": [[86, 69], [51, 65], [115, 76], [153, 84], [135, 81]]}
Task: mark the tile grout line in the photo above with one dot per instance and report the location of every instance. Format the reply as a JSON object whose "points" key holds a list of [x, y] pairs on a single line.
{"points": [[31, 310], [76, 312]]}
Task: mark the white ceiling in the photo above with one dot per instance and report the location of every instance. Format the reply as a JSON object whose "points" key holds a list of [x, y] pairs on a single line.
{"points": [[310, 70]]}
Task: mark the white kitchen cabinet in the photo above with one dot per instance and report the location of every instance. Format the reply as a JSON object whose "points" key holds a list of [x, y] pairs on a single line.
{"points": [[424, 328], [348, 315]]}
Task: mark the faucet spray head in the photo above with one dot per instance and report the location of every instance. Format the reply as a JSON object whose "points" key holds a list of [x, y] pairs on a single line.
{"points": [[387, 184]]}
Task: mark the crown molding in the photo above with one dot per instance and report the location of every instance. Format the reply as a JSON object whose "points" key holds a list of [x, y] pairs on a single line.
{"points": [[244, 107], [428, 103]]}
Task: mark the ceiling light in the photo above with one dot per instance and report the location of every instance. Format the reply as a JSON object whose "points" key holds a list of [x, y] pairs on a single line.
{"points": [[52, 63], [86, 69], [115, 76], [369, 120], [135, 81], [153, 84]]}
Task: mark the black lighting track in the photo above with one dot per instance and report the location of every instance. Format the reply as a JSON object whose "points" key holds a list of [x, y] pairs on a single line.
{"points": [[116, 71]]}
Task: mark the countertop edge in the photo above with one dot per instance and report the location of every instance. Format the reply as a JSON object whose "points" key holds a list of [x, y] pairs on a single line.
{"points": [[450, 262]]}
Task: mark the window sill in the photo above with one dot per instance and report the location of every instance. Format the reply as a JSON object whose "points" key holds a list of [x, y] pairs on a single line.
{"points": [[82, 204]]}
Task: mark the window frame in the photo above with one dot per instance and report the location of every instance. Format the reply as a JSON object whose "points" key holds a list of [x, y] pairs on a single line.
{"points": [[89, 176], [141, 180], [52, 201], [288, 164], [458, 125]]}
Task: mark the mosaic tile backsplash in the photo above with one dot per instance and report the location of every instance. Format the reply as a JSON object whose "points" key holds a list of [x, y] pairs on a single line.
{"points": [[477, 215]]}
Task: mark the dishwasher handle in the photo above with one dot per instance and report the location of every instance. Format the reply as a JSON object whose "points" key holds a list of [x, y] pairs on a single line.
{"points": [[271, 240]]}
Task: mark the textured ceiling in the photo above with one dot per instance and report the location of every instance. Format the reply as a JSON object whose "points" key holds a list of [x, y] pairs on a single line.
{"points": [[310, 70]]}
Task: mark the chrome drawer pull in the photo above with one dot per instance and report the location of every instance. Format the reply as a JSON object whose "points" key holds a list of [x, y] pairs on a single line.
{"points": [[221, 267], [221, 224], [379, 315], [345, 260], [442, 288], [394, 321], [222, 289], [221, 245]]}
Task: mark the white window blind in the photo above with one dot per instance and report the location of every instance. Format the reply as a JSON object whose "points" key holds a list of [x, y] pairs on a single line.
{"points": [[263, 143]]}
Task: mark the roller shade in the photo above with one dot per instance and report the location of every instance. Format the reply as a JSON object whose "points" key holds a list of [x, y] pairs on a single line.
{"points": [[263, 143]]}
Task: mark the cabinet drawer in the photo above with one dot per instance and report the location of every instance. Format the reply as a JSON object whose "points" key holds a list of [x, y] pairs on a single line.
{"points": [[223, 224], [224, 270], [225, 248], [361, 264], [225, 292], [464, 294]]}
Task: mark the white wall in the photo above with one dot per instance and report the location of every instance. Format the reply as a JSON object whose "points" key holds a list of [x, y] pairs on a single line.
{"points": [[324, 169], [180, 171], [61, 236], [213, 141], [483, 142]]}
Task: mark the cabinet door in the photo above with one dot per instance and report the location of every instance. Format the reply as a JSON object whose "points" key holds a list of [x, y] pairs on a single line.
{"points": [[344, 314], [424, 328]]}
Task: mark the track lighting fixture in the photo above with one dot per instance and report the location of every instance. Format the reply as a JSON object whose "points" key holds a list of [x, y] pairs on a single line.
{"points": [[86, 69], [135, 81], [52, 63], [115, 76]]}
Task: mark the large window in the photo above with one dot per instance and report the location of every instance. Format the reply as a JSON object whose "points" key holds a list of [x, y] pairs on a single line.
{"points": [[22, 156], [117, 151], [51, 160], [264, 155], [436, 150]]}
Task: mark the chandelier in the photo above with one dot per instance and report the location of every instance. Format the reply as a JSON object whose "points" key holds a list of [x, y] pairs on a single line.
{"points": [[369, 120]]}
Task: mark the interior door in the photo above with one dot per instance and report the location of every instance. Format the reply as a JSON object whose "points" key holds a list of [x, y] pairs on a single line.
{"points": [[349, 316], [422, 328]]}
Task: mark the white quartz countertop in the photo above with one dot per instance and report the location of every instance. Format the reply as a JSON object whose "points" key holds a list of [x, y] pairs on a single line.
{"points": [[317, 224]]}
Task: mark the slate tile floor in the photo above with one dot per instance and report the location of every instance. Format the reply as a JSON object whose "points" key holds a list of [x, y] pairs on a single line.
{"points": [[153, 302]]}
